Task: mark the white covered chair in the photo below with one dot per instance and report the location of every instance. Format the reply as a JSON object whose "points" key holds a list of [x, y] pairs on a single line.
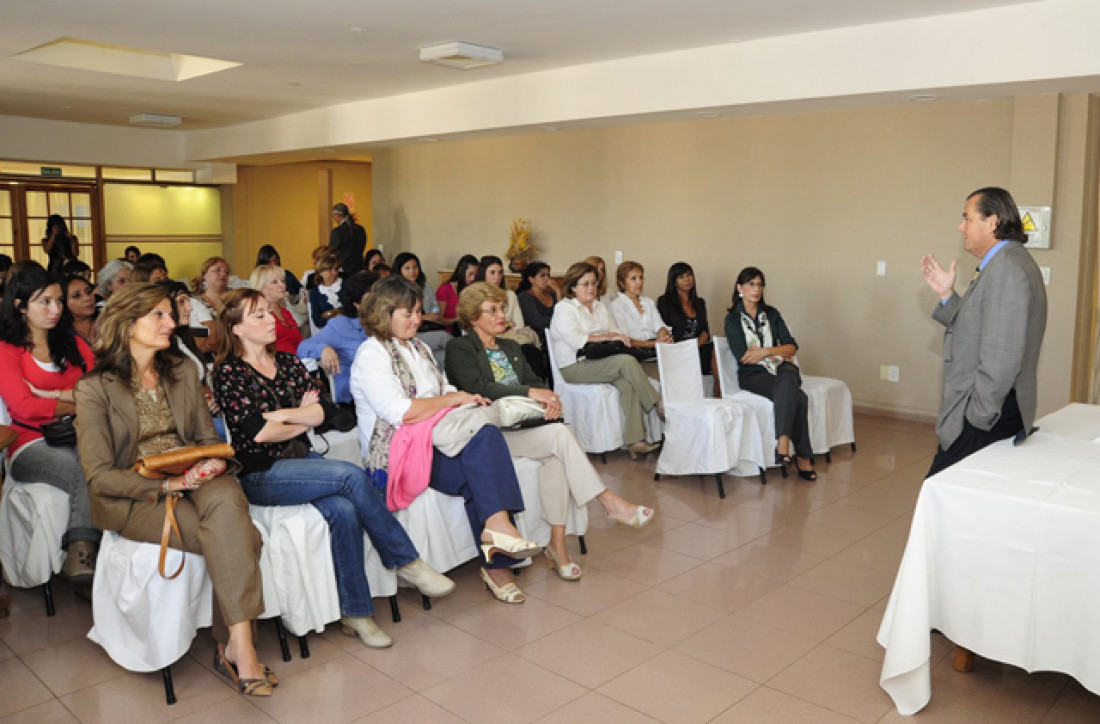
{"points": [[530, 523], [33, 519], [592, 410], [830, 414], [762, 407], [703, 436]]}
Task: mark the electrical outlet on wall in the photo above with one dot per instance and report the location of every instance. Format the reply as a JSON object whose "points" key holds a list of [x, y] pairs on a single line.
{"points": [[889, 373], [618, 258]]}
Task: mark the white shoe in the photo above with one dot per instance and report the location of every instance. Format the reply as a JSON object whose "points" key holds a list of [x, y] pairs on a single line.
{"points": [[367, 630], [424, 578]]}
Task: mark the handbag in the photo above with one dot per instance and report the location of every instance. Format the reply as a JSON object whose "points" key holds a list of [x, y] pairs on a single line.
{"points": [[176, 462], [514, 410], [57, 433], [599, 350]]}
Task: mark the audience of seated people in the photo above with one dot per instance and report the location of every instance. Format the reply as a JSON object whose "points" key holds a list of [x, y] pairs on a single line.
{"points": [[151, 387], [431, 330]]}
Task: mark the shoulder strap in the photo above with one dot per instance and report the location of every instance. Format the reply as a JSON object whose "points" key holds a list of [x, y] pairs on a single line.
{"points": [[170, 526]]}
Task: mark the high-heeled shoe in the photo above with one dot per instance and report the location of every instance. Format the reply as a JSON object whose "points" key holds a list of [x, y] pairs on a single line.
{"points": [[569, 572], [508, 545], [810, 474], [642, 516], [781, 459], [508, 593], [641, 449], [367, 630], [269, 675], [248, 687]]}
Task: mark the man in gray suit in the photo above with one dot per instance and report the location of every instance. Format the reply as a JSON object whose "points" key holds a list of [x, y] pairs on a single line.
{"points": [[994, 331]]}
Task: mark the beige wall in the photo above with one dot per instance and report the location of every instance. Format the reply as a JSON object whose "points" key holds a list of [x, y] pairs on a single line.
{"points": [[288, 206], [814, 199]]}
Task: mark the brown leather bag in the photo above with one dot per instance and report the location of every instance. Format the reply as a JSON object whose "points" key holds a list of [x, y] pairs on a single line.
{"points": [[176, 462]]}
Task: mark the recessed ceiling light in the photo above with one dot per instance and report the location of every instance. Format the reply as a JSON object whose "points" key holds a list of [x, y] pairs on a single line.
{"points": [[708, 114], [462, 55], [548, 129], [121, 60], [427, 139], [923, 98], [157, 120]]}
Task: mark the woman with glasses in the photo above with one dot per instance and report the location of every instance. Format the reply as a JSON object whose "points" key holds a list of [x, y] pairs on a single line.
{"points": [[763, 347]]}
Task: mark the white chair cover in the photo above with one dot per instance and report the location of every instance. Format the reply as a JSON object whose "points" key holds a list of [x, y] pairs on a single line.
{"points": [[530, 523], [145, 622], [830, 412], [438, 527], [702, 435], [33, 518], [593, 411], [761, 406]]}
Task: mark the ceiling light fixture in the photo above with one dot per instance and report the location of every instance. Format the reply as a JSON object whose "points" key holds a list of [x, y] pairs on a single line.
{"points": [[122, 60], [462, 55], [708, 114], [155, 120], [923, 98]]}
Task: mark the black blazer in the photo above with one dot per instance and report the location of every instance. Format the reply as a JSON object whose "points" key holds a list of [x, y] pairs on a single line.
{"points": [[468, 368], [673, 313], [350, 241]]}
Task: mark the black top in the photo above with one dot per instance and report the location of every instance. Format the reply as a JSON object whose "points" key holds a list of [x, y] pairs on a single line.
{"points": [[61, 252], [536, 315], [244, 395], [682, 326], [350, 241]]}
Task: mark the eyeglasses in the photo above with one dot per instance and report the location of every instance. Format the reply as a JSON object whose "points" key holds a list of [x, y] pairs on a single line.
{"points": [[754, 285]]}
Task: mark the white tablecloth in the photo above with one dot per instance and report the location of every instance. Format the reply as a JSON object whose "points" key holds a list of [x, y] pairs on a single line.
{"points": [[1003, 558]]}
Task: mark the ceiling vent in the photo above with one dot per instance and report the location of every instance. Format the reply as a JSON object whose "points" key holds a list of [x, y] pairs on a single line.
{"points": [[156, 120], [461, 55]]}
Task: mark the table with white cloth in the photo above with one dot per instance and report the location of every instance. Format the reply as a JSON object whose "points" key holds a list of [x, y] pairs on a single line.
{"points": [[1003, 558]]}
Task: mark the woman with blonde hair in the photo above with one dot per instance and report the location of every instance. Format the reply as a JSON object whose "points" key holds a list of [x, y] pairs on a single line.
{"points": [[142, 400], [601, 276], [207, 288], [270, 281], [581, 318], [270, 403], [484, 363]]}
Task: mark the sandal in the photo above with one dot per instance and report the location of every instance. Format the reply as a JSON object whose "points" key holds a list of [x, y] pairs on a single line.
{"points": [[248, 687], [569, 572], [642, 515], [509, 545], [269, 676], [508, 593]]}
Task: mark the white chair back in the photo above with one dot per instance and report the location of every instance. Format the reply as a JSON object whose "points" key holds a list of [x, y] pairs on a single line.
{"points": [[5, 416], [727, 366], [555, 371], [681, 375]]}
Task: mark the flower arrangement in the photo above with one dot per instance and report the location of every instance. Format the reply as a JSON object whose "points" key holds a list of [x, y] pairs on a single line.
{"points": [[521, 246]]}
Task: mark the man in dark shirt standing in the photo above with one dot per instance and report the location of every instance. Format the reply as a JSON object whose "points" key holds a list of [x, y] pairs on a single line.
{"points": [[349, 239]]}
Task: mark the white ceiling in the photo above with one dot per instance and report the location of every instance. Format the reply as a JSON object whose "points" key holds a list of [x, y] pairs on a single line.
{"points": [[300, 56]]}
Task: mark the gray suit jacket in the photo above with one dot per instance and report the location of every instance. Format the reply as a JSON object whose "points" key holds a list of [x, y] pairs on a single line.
{"points": [[992, 342]]}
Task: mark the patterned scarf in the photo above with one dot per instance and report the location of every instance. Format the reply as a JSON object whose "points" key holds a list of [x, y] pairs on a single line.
{"points": [[759, 334], [378, 457]]}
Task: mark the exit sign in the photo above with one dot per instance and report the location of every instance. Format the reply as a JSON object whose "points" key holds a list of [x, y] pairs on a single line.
{"points": [[51, 171]]}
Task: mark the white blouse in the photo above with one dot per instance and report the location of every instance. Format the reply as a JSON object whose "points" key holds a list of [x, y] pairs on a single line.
{"points": [[200, 312], [571, 326], [377, 390], [644, 325], [513, 313]]}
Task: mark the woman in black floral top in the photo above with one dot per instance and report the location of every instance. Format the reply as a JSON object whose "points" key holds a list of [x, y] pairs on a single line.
{"points": [[270, 404]]}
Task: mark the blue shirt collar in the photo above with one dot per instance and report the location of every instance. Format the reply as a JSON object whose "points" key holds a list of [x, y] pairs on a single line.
{"points": [[992, 253]]}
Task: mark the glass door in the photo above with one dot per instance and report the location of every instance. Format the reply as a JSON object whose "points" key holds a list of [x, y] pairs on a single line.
{"points": [[73, 205], [7, 224]]}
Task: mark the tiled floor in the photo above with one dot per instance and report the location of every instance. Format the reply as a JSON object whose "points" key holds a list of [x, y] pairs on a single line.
{"points": [[759, 608]]}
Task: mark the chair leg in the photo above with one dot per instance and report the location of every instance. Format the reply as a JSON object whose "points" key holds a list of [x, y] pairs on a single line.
{"points": [[584, 546], [853, 447], [656, 476], [303, 646], [284, 645], [426, 601], [721, 486], [169, 690], [47, 590], [603, 458], [763, 477], [783, 470], [963, 661], [395, 610], [828, 456]]}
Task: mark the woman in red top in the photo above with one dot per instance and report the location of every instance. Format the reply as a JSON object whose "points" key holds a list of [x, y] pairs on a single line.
{"points": [[271, 282], [42, 362]]}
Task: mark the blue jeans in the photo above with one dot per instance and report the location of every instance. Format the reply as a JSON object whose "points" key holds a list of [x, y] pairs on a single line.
{"points": [[350, 505]]}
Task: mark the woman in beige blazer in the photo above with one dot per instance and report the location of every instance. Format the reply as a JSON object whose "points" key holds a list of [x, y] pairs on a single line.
{"points": [[143, 400]]}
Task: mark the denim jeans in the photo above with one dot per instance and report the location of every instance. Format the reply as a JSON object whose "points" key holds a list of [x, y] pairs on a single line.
{"points": [[37, 462], [350, 505]]}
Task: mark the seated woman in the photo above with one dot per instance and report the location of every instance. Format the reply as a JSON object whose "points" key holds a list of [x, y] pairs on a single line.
{"points": [[491, 269], [42, 361], [537, 297], [270, 404], [114, 275], [372, 258], [334, 347], [142, 401], [407, 265], [395, 382], [686, 312], [601, 277], [486, 364], [581, 318], [80, 309], [268, 254], [207, 289], [762, 345], [271, 282], [324, 297], [464, 274], [636, 315], [184, 346]]}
